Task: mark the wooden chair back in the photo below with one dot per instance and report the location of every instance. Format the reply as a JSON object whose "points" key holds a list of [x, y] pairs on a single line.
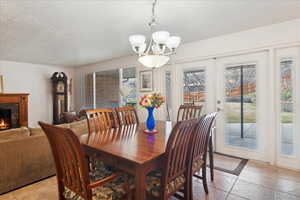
{"points": [[71, 167], [186, 112], [101, 119], [201, 136], [177, 152], [127, 115]]}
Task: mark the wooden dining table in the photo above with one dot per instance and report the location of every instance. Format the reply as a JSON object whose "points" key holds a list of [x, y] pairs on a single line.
{"points": [[129, 149]]}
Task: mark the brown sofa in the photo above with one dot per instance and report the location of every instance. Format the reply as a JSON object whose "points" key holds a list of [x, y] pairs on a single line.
{"points": [[25, 155]]}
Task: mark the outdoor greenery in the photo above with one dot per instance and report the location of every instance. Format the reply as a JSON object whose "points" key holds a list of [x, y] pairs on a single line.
{"points": [[233, 113]]}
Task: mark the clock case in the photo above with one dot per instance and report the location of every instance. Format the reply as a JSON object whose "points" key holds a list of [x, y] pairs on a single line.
{"points": [[60, 95]]}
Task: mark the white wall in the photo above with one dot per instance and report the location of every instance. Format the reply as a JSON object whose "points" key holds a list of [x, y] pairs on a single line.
{"points": [[35, 80], [262, 38]]}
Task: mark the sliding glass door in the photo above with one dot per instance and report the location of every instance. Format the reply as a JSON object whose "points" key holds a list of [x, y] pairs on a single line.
{"points": [[111, 88]]}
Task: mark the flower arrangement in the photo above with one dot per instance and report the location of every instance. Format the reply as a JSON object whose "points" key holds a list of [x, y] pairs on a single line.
{"points": [[152, 100]]}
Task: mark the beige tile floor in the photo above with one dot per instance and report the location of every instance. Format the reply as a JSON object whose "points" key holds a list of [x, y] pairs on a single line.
{"points": [[257, 181]]}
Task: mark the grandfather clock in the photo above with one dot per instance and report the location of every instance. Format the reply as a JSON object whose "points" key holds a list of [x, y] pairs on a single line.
{"points": [[60, 95]]}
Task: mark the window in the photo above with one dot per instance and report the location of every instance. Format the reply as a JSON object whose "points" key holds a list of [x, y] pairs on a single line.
{"points": [[287, 108], [168, 94], [194, 87]]}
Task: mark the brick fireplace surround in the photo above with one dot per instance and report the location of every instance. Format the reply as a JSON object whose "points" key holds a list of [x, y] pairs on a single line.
{"points": [[13, 110]]}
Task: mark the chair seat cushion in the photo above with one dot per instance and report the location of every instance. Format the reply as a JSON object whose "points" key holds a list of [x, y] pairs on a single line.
{"points": [[113, 190], [154, 183], [197, 165]]}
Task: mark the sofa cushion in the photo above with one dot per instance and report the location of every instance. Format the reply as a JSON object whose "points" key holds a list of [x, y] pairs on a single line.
{"points": [[64, 125], [36, 131], [14, 133], [39, 131], [79, 127]]}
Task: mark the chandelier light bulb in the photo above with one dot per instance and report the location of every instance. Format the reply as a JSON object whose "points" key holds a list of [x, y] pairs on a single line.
{"points": [[137, 40], [173, 42], [161, 37]]}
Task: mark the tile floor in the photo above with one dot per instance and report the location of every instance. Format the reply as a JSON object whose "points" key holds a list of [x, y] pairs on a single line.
{"points": [[257, 181]]}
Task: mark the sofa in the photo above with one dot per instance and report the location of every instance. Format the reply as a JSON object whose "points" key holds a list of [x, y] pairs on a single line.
{"points": [[26, 157]]}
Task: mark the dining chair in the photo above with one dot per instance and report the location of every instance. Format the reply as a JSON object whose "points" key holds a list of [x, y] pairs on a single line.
{"points": [[186, 112], [199, 144], [127, 115], [101, 119], [192, 112], [74, 180], [174, 175]]}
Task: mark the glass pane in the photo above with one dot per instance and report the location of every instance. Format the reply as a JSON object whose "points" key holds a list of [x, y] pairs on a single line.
{"points": [[286, 97], [61, 104], [128, 88], [194, 88], [168, 95], [240, 106], [107, 89], [89, 87]]}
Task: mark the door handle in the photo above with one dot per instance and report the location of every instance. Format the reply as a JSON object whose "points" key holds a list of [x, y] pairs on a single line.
{"points": [[219, 109]]}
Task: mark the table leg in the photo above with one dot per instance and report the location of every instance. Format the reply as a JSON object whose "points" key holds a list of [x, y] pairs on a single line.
{"points": [[140, 185]]}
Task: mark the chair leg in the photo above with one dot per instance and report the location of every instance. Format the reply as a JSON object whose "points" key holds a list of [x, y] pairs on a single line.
{"points": [[61, 190], [204, 180], [187, 190], [211, 159]]}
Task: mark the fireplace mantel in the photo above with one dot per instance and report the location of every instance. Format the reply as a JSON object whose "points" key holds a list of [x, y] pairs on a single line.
{"points": [[22, 100]]}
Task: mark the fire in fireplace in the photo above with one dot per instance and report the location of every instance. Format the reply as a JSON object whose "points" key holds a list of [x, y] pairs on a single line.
{"points": [[3, 124], [5, 119]]}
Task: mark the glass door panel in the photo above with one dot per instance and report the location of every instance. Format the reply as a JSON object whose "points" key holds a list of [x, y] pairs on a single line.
{"points": [[240, 106], [194, 88]]}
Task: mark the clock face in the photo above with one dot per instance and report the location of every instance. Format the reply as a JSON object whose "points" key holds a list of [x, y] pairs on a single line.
{"points": [[60, 87]]}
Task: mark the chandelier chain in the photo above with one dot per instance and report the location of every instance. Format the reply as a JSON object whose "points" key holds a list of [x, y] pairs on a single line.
{"points": [[153, 21]]}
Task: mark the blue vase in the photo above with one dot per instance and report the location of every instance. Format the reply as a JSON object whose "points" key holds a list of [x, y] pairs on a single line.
{"points": [[150, 123]]}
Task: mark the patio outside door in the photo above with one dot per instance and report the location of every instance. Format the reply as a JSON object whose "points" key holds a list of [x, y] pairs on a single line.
{"points": [[242, 92]]}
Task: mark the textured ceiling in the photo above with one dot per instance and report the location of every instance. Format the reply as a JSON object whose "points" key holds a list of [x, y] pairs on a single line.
{"points": [[78, 32]]}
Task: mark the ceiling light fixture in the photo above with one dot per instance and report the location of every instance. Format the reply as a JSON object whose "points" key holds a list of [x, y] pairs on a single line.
{"points": [[160, 47]]}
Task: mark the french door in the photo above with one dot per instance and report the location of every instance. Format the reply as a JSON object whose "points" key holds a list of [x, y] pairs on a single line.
{"points": [[242, 98]]}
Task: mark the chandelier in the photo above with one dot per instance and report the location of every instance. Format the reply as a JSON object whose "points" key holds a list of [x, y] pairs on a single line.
{"points": [[160, 47]]}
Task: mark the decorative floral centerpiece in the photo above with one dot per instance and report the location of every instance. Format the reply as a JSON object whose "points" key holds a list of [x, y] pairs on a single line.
{"points": [[151, 101]]}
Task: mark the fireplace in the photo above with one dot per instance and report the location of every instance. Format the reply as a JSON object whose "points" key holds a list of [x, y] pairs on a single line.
{"points": [[13, 111], [9, 116]]}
